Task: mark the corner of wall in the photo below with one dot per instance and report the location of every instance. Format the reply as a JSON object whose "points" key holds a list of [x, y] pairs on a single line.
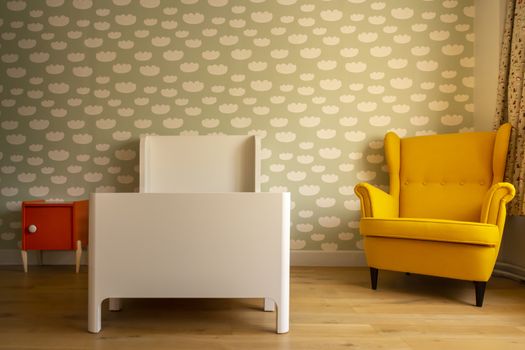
{"points": [[486, 52]]}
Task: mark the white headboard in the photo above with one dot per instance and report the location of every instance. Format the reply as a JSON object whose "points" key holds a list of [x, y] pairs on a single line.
{"points": [[175, 164]]}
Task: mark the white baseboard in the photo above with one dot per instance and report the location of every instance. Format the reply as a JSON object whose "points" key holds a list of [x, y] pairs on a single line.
{"points": [[297, 258], [48, 257], [322, 258], [510, 271]]}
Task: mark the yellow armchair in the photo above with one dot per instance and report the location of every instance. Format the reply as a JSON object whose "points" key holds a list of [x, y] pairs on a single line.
{"points": [[445, 211]]}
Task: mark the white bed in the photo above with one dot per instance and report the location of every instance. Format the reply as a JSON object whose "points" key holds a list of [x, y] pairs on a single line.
{"points": [[199, 228]]}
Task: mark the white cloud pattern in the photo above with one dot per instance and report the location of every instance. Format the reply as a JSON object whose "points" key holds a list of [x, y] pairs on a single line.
{"points": [[319, 82]]}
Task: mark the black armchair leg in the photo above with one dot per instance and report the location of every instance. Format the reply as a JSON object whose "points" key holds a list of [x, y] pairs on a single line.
{"points": [[480, 292], [373, 277]]}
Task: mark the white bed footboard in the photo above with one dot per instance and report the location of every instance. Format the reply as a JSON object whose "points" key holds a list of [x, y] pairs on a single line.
{"points": [[195, 245]]}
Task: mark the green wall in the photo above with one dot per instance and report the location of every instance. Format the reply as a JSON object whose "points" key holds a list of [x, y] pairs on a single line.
{"points": [[320, 81]]}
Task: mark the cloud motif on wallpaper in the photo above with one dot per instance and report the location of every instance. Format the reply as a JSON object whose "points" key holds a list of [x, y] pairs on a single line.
{"points": [[319, 82]]}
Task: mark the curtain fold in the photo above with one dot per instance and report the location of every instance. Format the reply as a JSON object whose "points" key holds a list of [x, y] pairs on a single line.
{"points": [[511, 104]]}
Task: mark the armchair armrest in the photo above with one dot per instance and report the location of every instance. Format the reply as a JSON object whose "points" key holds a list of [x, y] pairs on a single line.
{"points": [[375, 202], [493, 209]]}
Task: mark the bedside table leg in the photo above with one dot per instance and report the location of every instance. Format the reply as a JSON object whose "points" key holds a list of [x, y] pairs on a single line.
{"points": [[24, 259], [78, 255]]}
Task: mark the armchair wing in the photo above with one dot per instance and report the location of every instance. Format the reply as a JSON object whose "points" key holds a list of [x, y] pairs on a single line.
{"points": [[375, 202], [493, 210]]}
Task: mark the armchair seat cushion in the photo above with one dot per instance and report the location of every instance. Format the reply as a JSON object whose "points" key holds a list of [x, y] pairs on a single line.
{"points": [[463, 232]]}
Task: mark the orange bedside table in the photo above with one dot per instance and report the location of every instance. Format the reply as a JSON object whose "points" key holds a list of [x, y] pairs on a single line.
{"points": [[54, 226]]}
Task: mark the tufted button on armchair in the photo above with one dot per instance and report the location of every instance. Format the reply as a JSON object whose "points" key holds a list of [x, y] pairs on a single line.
{"points": [[445, 213]]}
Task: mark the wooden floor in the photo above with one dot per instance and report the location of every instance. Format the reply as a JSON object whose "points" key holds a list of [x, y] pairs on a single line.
{"points": [[331, 308]]}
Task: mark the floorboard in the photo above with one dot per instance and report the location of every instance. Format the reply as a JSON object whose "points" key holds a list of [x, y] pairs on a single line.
{"points": [[331, 308]]}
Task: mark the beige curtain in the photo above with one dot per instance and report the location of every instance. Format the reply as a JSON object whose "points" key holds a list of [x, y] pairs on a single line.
{"points": [[511, 104]]}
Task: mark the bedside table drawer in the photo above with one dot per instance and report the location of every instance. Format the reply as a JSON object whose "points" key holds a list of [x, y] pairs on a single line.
{"points": [[51, 226]]}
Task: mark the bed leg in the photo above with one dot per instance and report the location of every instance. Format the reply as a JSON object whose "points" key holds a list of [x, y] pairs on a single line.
{"points": [[94, 315], [115, 304], [283, 317], [269, 304]]}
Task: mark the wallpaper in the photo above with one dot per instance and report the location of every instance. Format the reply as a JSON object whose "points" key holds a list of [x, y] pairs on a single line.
{"points": [[320, 82]]}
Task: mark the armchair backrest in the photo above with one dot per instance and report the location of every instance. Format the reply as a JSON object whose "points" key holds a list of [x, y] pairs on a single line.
{"points": [[177, 164], [445, 176]]}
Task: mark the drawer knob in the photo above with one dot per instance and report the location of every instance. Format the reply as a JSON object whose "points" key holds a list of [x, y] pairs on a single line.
{"points": [[32, 228]]}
